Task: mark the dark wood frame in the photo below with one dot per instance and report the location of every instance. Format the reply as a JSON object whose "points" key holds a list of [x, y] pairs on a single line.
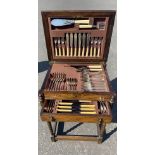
{"points": [[99, 120]]}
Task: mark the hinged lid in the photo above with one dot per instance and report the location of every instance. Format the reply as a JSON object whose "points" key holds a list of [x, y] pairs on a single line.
{"points": [[78, 36]]}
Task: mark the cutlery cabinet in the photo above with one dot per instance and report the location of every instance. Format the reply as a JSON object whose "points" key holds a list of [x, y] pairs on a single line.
{"points": [[77, 87]]}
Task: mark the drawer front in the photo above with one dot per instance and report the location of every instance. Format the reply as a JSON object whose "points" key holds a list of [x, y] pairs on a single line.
{"points": [[75, 118], [78, 96]]}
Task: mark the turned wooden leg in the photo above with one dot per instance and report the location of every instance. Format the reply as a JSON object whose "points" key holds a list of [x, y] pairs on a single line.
{"points": [[51, 131], [100, 129]]}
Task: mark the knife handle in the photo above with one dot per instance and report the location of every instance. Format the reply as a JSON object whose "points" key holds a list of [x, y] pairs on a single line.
{"points": [[63, 50], [94, 51], [79, 52], [85, 101], [98, 52], [88, 112], [87, 50], [85, 26], [67, 51], [56, 52], [71, 54], [83, 50], [81, 21], [75, 49], [91, 50], [59, 51]]}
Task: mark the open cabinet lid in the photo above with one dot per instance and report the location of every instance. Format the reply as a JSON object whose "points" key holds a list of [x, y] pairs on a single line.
{"points": [[49, 32]]}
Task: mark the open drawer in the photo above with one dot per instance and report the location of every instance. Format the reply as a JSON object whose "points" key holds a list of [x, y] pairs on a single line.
{"points": [[76, 111]]}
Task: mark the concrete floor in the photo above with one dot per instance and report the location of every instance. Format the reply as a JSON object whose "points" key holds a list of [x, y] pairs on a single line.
{"points": [[109, 146]]}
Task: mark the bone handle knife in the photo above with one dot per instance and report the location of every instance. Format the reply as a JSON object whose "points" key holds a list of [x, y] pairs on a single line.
{"points": [[79, 46], [75, 44], [63, 46], [95, 42], [81, 112], [71, 44], [59, 47], [91, 48], [83, 44], [99, 47], [87, 49], [67, 43], [55, 45]]}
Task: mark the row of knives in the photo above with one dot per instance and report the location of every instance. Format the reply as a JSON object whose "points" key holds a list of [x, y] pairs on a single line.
{"points": [[78, 45]]}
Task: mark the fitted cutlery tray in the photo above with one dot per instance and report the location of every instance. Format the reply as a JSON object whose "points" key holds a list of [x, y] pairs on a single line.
{"points": [[83, 36], [55, 109], [77, 81]]}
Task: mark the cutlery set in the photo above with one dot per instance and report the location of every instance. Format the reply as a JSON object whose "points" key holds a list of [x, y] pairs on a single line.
{"points": [[60, 82], [75, 106], [86, 77], [77, 45], [92, 77], [77, 87], [93, 80], [82, 24]]}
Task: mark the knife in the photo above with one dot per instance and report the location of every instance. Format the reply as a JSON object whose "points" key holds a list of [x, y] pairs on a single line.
{"points": [[79, 46], [95, 43], [83, 43], [67, 43], [91, 48], [59, 46], [88, 39], [63, 46], [99, 47], [75, 44], [71, 44], [55, 45]]}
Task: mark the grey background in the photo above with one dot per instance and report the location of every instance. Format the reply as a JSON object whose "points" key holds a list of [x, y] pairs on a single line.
{"points": [[45, 146]]}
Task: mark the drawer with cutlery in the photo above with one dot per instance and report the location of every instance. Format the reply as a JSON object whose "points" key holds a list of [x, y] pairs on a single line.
{"points": [[57, 110], [77, 86]]}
